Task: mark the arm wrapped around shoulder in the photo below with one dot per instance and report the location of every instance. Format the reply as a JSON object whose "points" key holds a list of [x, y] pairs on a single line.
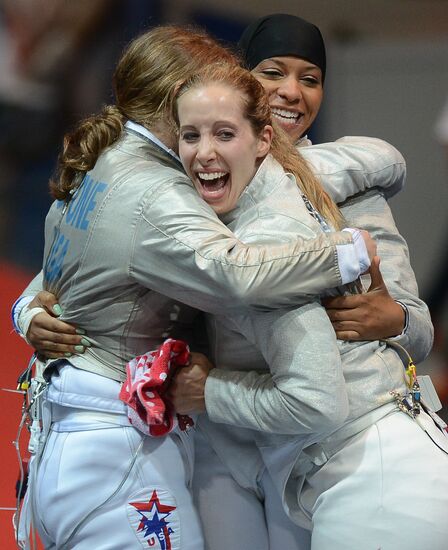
{"points": [[354, 164]]}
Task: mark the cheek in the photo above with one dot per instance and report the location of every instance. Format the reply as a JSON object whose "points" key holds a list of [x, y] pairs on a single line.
{"points": [[271, 91], [245, 170], [269, 87], [315, 100], [181, 150], [184, 154]]}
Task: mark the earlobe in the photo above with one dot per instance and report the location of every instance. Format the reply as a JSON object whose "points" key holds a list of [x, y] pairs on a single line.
{"points": [[265, 140]]}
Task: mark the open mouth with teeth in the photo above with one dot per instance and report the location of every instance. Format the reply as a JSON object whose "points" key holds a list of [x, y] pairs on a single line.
{"points": [[286, 117], [213, 185]]}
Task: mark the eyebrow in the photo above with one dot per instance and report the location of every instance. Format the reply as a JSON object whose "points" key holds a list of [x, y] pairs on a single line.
{"points": [[215, 123], [309, 66]]}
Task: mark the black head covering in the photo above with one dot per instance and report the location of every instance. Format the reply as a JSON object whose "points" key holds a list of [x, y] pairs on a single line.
{"points": [[282, 35]]}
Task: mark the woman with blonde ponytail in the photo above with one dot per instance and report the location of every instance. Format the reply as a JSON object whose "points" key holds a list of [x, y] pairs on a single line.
{"points": [[335, 428]]}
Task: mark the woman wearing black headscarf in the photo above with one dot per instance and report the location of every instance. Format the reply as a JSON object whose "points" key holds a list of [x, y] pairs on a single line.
{"points": [[287, 55]]}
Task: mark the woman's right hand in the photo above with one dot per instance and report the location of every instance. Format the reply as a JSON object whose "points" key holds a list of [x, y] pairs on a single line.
{"points": [[373, 315], [187, 387], [49, 336]]}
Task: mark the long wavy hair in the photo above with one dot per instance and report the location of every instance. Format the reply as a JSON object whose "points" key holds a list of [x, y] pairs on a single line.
{"points": [[143, 83], [258, 113]]}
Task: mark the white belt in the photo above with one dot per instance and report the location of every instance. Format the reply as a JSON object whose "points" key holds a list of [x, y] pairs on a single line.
{"points": [[319, 453], [70, 419]]}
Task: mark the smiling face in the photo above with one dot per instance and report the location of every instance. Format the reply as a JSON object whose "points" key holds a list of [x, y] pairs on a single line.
{"points": [[217, 145], [294, 87]]}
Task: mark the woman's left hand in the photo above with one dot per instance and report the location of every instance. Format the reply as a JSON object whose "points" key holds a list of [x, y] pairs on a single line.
{"points": [[374, 315], [187, 388]]}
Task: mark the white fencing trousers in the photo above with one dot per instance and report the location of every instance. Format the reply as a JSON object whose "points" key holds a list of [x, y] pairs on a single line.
{"points": [[82, 468], [386, 490], [234, 518]]}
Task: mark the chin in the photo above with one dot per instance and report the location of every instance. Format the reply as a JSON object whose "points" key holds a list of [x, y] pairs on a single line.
{"points": [[294, 134], [221, 209]]}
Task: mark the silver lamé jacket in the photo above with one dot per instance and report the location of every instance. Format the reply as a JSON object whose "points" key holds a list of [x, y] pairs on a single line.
{"points": [[283, 382]]}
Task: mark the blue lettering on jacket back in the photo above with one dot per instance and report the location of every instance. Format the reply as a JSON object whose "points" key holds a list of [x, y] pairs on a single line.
{"points": [[53, 265], [83, 203], [77, 215]]}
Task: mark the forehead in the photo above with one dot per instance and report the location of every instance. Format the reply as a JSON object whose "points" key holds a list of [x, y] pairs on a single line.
{"points": [[211, 100]]}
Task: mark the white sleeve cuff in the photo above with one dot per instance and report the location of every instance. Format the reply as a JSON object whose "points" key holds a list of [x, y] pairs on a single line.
{"points": [[353, 261], [17, 307], [406, 321]]}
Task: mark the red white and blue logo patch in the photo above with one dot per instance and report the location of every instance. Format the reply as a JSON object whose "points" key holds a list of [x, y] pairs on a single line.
{"points": [[154, 519]]}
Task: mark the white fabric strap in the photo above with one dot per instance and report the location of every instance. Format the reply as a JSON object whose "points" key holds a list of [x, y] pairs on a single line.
{"points": [[361, 254], [24, 320], [70, 419]]}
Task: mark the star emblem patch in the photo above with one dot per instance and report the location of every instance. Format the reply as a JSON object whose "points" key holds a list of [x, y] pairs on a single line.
{"points": [[154, 519]]}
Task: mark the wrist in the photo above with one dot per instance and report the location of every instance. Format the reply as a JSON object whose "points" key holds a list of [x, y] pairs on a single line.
{"points": [[26, 316], [402, 318]]}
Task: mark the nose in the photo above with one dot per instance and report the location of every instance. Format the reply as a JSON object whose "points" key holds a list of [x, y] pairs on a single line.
{"points": [[290, 89], [206, 151]]}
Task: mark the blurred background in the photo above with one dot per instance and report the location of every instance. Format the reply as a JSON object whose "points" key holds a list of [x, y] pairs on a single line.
{"points": [[387, 77]]}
